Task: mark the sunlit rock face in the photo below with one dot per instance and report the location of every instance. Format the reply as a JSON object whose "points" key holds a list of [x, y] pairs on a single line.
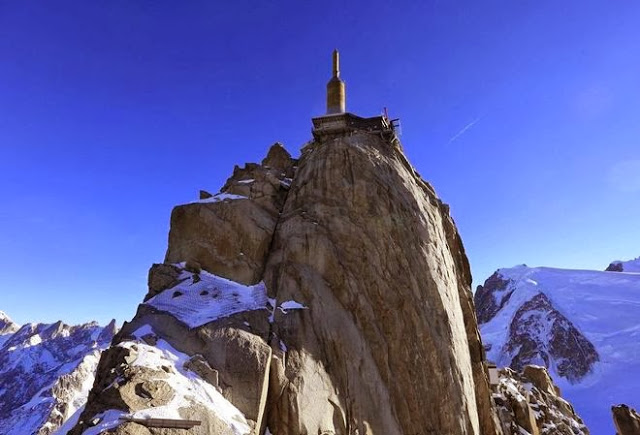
{"points": [[372, 253], [324, 295], [626, 420], [46, 371]]}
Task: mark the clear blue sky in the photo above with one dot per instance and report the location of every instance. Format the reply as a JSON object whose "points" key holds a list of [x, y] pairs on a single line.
{"points": [[524, 116]]}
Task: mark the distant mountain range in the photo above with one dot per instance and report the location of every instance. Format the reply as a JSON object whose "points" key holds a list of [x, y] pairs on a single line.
{"points": [[46, 372], [583, 325]]}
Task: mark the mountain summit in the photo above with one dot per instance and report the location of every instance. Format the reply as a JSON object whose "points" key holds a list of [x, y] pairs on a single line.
{"points": [[328, 294], [7, 326]]}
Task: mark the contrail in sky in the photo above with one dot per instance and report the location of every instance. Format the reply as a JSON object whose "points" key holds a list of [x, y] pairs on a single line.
{"points": [[464, 130]]}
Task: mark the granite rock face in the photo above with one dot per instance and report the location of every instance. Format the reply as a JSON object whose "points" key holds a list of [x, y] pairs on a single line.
{"points": [[363, 243], [230, 234], [325, 295]]}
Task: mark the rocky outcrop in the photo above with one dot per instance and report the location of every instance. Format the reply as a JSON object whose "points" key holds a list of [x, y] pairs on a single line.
{"points": [[325, 295], [531, 402], [632, 266], [626, 420], [616, 266], [491, 297], [230, 233], [539, 333], [46, 371]]}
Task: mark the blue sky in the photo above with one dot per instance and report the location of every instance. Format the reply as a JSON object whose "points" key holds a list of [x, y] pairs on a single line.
{"points": [[523, 115]]}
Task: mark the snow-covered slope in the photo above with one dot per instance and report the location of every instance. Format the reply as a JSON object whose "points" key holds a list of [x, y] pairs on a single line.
{"points": [[583, 325], [46, 372]]}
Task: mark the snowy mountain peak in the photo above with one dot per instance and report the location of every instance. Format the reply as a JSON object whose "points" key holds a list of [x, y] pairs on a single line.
{"points": [[580, 324], [7, 326], [631, 266], [46, 371]]}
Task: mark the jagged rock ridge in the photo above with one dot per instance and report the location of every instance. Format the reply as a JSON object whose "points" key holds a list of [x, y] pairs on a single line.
{"points": [[529, 402], [325, 295], [46, 371]]}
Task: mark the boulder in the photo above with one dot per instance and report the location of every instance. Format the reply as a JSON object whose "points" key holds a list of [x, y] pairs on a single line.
{"points": [[161, 277], [539, 376], [203, 194], [227, 238], [201, 367], [156, 391]]}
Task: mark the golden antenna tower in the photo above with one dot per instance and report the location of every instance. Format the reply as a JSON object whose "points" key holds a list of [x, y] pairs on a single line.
{"points": [[336, 96]]}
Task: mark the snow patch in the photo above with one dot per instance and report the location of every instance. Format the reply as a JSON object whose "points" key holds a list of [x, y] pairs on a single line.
{"points": [[142, 331], [291, 305], [211, 298], [187, 385], [220, 197], [108, 420]]}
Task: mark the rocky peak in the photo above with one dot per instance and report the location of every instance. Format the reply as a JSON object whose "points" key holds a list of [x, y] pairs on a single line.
{"points": [[491, 297], [615, 266], [540, 334], [278, 158], [7, 326], [626, 420], [107, 333], [282, 292], [229, 234]]}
